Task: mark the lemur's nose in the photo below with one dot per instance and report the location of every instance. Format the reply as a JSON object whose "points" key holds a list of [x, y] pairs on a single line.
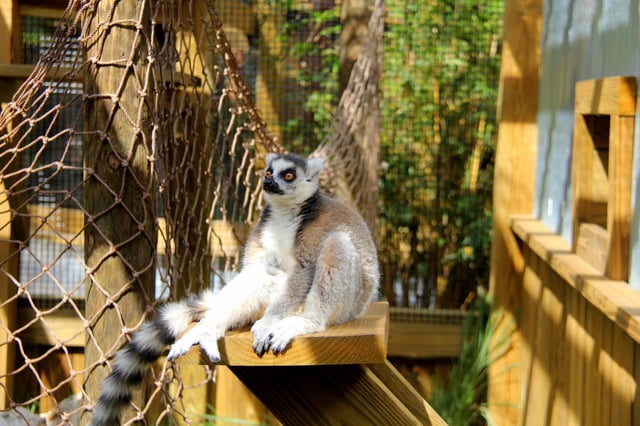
{"points": [[268, 184]]}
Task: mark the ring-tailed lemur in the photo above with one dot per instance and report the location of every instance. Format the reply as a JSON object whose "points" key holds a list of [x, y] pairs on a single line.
{"points": [[310, 262]]}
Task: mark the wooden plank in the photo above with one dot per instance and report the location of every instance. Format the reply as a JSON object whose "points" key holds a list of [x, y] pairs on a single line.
{"points": [[330, 394], [41, 11], [398, 385], [58, 327], [424, 340], [361, 341], [24, 71], [608, 96], [592, 245]]}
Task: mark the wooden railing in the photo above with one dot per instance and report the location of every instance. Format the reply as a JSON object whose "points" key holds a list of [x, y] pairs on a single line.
{"points": [[580, 332]]}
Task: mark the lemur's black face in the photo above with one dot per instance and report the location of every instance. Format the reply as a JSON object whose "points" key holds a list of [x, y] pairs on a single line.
{"points": [[289, 179], [282, 174], [275, 180]]}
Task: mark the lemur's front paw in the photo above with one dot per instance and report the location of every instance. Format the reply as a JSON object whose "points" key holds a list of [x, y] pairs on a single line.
{"points": [[261, 337], [285, 330], [183, 344], [210, 346]]}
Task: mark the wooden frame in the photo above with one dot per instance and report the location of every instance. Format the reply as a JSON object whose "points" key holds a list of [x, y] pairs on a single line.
{"points": [[602, 172]]}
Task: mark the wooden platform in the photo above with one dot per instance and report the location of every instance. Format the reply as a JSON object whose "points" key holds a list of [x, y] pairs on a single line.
{"points": [[339, 376], [362, 341]]}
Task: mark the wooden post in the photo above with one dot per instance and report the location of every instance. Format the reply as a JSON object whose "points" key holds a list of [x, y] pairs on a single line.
{"points": [[9, 265], [121, 224], [9, 31], [513, 186], [10, 37]]}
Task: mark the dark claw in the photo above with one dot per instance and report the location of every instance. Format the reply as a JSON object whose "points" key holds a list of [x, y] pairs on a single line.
{"points": [[260, 348]]}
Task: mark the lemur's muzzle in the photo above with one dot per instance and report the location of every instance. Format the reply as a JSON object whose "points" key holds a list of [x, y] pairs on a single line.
{"points": [[269, 185]]}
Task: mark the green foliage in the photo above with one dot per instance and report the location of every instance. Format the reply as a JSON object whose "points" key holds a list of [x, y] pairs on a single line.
{"points": [[440, 80], [486, 337]]}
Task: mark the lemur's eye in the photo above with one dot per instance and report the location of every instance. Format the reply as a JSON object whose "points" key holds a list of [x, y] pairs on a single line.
{"points": [[289, 176], [267, 173]]}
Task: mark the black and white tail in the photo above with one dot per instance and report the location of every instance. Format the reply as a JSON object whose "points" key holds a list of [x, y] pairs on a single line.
{"points": [[131, 363]]}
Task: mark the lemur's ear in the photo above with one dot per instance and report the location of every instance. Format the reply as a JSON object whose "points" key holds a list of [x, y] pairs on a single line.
{"points": [[270, 157], [314, 166]]}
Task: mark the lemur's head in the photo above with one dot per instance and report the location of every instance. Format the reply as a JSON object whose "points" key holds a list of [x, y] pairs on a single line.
{"points": [[290, 179]]}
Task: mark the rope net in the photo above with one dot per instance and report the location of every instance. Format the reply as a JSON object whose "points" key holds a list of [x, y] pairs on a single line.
{"points": [[130, 162]]}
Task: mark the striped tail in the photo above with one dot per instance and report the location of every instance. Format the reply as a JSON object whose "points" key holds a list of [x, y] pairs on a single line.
{"points": [[131, 363]]}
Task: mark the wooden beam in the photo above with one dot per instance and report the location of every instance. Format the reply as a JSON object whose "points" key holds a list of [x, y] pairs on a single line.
{"points": [[338, 394], [514, 183], [608, 96], [423, 340]]}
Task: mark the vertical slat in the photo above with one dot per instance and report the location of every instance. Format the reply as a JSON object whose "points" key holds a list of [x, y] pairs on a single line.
{"points": [[556, 346], [592, 386], [605, 371], [635, 406], [532, 293], [623, 378], [541, 389], [578, 349]]}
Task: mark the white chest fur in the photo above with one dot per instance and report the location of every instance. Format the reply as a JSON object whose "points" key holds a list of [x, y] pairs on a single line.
{"points": [[278, 238]]}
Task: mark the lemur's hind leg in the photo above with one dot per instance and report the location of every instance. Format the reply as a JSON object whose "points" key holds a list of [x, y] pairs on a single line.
{"points": [[240, 302], [331, 299]]}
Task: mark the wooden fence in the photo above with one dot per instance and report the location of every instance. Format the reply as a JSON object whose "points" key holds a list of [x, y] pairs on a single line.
{"points": [[579, 337]]}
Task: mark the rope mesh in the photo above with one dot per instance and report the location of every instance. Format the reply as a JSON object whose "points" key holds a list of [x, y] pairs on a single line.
{"points": [[129, 165]]}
